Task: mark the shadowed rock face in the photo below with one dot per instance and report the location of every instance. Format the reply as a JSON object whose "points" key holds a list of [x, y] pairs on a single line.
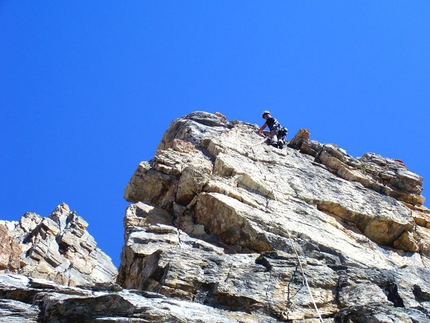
{"points": [[222, 219], [25, 299], [223, 228]]}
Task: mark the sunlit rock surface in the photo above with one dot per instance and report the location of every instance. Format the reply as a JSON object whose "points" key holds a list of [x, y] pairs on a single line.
{"points": [[222, 219], [224, 228], [58, 248]]}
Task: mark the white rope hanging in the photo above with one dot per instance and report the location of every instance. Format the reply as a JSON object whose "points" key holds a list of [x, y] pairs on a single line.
{"points": [[302, 270], [297, 255]]}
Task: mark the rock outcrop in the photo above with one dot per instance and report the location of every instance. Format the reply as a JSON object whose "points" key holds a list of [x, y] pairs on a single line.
{"points": [[25, 300], [58, 248], [224, 228], [220, 218], [384, 175]]}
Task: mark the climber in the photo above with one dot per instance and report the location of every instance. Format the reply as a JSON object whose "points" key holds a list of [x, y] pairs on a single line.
{"points": [[277, 132]]}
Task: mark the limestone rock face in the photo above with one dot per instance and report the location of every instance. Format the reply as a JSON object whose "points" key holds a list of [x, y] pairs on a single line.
{"points": [[302, 234], [58, 248]]}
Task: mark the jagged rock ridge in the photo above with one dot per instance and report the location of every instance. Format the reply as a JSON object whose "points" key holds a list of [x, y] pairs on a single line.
{"points": [[58, 248]]}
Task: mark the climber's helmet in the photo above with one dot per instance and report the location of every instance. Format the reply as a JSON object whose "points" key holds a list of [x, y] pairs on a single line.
{"points": [[264, 113]]}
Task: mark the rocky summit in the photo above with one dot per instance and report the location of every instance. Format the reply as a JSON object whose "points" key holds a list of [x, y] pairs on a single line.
{"points": [[225, 228]]}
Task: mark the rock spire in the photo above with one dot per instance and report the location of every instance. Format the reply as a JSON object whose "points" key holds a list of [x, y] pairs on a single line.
{"points": [[58, 248]]}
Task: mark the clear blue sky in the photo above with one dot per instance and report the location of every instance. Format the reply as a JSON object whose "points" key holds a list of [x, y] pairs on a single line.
{"points": [[87, 88]]}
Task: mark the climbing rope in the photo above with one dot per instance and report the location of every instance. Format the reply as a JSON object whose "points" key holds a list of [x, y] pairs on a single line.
{"points": [[260, 142], [304, 277], [295, 251], [301, 269]]}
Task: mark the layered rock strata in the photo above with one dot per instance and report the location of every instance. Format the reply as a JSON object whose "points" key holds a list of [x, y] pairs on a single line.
{"points": [[387, 176], [58, 248], [220, 218], [25, 300]]}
